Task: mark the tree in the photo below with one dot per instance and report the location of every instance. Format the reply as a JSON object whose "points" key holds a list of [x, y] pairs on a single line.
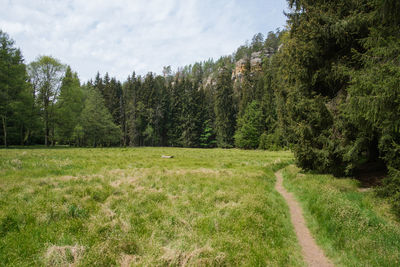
{"points": [[69, 106], [112, 94], [131, 99], [96, 121], [273, 40], [250, 127], [373, 98], [257, 42], [13, 88], [153, 93], [176, 93], [225, 114], [46, 75], [207, 137], [320, 49], [191, 116]]}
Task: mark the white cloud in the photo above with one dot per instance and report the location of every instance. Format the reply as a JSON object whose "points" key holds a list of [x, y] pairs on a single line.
{"points": [[122, 36]]}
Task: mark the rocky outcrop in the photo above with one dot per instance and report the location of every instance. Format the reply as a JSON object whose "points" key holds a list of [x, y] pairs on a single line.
{"points": [[256, 62], [210, 81], [240, 68], [253, 63]]}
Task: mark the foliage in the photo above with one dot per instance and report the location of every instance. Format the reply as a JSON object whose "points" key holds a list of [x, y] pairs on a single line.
{"points": [[207, 138], [224, 109], [339, 94], [46, 74], [15, 101], [391, 189], [250, 127], [69, 106], [195, 106], [271, 142], [374, 92], [96, 121], [324, 37]]}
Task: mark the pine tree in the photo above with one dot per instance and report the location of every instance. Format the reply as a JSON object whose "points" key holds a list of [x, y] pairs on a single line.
{"points": [[373, 99], [250, 127], [96, 121], [191, 116], [112, 94], [69, 106], [324, 36], [131, 99], [14, 92], [225, 114], [176, 93]]}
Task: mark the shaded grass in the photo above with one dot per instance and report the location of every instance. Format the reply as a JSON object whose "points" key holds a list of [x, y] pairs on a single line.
{"points": [[354, 228], [130, 207]]}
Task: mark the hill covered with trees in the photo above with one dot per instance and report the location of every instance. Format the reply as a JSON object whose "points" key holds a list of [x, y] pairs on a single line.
{"points": [[327, 87]]}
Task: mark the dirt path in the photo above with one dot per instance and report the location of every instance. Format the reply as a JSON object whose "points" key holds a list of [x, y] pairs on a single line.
{"points": [[312, 254]]}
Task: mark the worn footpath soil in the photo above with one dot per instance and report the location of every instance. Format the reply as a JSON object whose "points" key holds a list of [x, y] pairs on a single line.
{"points": [[312, 254]]}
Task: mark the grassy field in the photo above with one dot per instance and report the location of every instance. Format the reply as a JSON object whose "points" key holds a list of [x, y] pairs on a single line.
{"points": [[352, 225], [101, 207]]}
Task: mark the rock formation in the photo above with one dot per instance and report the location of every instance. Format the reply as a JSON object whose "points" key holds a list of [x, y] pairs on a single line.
{"points": [[254, 63]]}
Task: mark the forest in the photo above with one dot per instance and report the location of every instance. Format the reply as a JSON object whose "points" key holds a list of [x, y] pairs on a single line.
{"points": [[326, 87]]}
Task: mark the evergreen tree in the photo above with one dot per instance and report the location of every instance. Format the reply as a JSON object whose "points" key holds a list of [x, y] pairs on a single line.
{"points": [[324, 35], [250, 127], [191, 115], [112, 94], [207, 137], [69, 106], [257, 42], [153, 96], [225, 114], [15, 99], [131, 99], [176, 93], [96, 121], [373, 98]]}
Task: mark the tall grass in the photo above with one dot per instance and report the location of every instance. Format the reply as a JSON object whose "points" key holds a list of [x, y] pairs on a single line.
{"points": [[101, 207], [353, 226]]}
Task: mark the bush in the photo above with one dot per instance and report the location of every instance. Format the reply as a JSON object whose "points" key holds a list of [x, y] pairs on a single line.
{"points": [[270, 142], [391, 189], [250, 127]]}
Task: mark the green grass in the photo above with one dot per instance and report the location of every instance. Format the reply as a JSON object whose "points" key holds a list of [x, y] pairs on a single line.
{"points": [[355, 228], [102, 207]]}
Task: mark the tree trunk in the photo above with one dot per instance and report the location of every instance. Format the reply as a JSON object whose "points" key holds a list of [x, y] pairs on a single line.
{"points": [[46, 122], [53, 142], [27, 137], [46, 130], [3, 119], [46, 134], [22, 135]]}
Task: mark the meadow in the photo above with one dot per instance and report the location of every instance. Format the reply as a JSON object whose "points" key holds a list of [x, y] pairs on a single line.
{"points": [[203, 207], [130, 207]]}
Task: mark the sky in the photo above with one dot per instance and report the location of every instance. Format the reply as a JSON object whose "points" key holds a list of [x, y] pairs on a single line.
{"points": [[122, 36]]}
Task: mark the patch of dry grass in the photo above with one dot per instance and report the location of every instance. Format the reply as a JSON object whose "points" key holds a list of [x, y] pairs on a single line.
{"points": [[63, 255]]}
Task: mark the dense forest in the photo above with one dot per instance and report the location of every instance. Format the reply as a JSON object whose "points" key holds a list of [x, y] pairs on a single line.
{"points": [[327, 87]]}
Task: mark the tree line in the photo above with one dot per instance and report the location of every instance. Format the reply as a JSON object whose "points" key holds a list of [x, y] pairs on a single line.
{"points": [[44, 102], [327, 88]]}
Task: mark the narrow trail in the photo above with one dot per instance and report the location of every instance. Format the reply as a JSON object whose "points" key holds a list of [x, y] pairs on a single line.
{"points": [[312, 254]]}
